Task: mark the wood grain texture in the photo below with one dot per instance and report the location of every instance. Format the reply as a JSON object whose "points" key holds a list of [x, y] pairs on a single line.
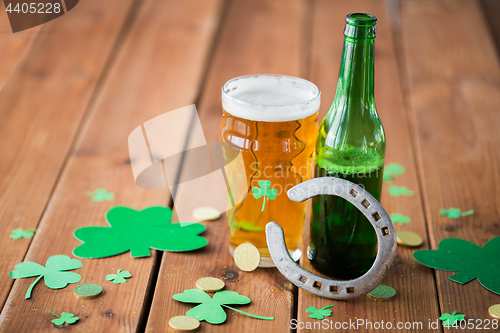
{"points": [[257, 37], [453, 88], [491, 11], [159, 68], [41, 108], [15, 46], [416, 300]]}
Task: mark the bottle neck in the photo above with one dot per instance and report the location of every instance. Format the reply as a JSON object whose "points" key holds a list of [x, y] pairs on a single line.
{"points": [[355, 84]]}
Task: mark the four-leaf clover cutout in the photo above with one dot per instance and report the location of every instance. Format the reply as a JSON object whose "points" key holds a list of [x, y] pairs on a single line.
{"points": [[53, 273], [321, 313], [210, 308], [100, 195], [265, 191], [64, 318], [119, 277], [451, 319], [20, 233]]}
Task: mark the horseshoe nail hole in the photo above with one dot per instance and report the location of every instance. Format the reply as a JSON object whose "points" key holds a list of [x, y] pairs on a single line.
{"points": [[334, 289], [302, 279], [366, 203], [317, 285], [350, 290], [376, 216], [385, 231], [354, 193]]}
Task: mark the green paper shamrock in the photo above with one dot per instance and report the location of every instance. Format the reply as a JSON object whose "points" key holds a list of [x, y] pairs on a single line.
{"points": [[396, 191], [138, 231], [20, 233], [101, 194], [210, 308], [64, 318], [264, 190], [53, 273], [470, 260], [400, 218], [455, 213], [451, 319], [119, 277], [321, 313], [392, 170]]}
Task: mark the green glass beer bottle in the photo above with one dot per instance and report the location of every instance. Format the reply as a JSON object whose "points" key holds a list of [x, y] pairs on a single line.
{"points": [[350, 145]]}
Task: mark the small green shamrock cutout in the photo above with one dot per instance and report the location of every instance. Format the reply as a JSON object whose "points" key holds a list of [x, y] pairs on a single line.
{"points": [[392, 170], [20, 233], [451, 319], [139, 232], [396, 191], [119, 277], [101, 194], [400, 218], [210, 308], [471, 261], [64, 318], [264, 190], [321, 313], [53, 273], [455, 213]]}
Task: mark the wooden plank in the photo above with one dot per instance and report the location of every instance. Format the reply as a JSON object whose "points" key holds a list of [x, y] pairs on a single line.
{"points": [[453, 74], [257, 37], [491, 10], [159, 68], [416, 295], [41, 108], [14, 48]]}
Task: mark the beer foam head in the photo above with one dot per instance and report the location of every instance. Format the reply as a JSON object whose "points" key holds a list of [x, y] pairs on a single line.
{"points": [[270, 98]]}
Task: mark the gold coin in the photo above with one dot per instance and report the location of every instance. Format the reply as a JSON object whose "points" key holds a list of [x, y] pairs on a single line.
{"points": [[88, 290], [247, 257], [409, 238], [494, 311], [206, 213], [184, 323], [210, 284]]}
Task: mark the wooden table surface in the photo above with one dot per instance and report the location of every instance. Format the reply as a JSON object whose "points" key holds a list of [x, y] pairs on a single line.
{"points": [[74, 88]]}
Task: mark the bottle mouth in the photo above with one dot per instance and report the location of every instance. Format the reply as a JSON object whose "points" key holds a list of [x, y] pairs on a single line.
{"points": [[361, 20], [360, 26]]}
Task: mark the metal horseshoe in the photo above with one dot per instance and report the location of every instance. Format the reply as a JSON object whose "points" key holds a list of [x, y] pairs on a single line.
{"points": [[374, 212]]}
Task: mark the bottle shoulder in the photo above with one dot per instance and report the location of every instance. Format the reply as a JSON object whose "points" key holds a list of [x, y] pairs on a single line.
{"points": [[345, 139]]}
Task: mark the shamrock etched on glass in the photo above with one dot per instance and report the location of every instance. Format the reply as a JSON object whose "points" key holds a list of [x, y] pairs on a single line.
{"points": [[264, 191]]}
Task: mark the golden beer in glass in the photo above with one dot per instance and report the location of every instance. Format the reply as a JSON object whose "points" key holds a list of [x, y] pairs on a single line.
{"points": [[272, 120]]}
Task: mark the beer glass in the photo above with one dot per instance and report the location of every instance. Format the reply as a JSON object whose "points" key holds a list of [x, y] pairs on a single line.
{"points": [[272, 121]]}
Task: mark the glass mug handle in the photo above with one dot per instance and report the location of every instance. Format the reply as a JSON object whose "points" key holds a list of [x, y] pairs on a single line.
{"points": [[374, 212]]}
